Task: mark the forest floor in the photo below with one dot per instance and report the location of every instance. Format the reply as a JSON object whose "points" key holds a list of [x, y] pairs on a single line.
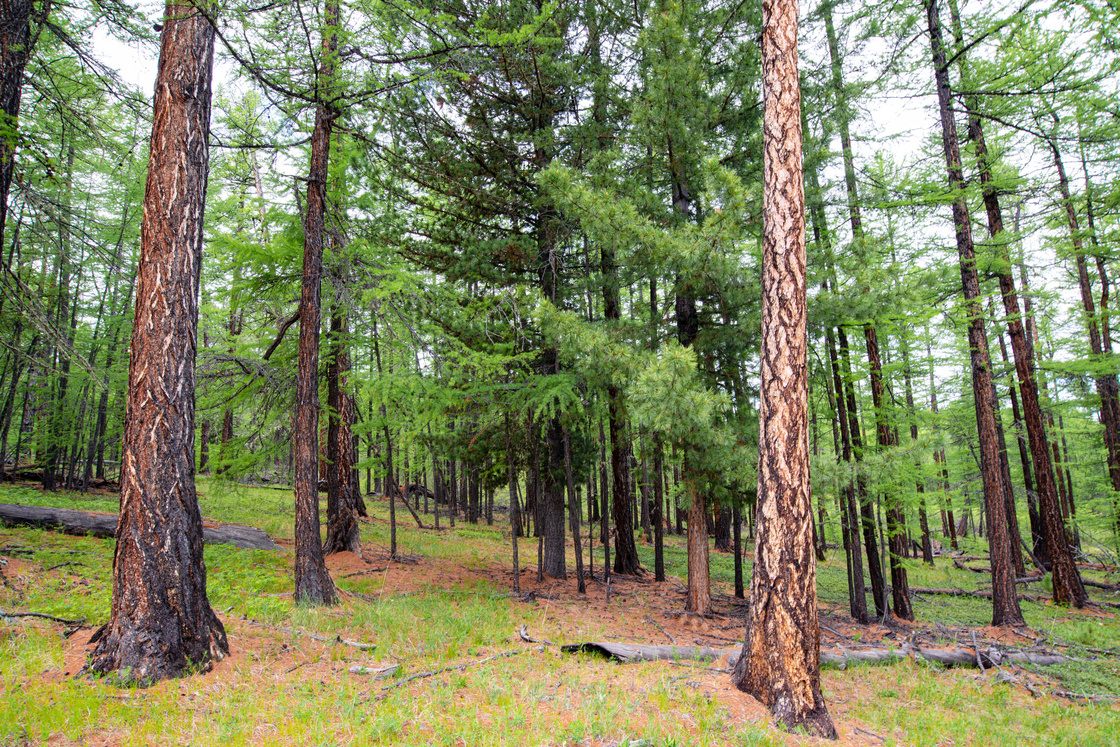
{"points": [[446, 624]]}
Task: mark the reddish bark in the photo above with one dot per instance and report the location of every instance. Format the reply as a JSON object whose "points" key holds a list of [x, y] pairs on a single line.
{"points": [[161, 623]]}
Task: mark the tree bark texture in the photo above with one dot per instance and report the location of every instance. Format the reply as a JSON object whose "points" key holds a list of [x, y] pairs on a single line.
{"points": [[896, 531], [1067, 581], [781, 661], [699, 599], [343, 534], [313, 582], [1107, 386], [16, 43], [1005, 604], [161, 623]]}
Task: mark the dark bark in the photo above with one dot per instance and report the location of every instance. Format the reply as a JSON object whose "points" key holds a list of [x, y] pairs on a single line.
{"points": [[161, 623], [737, 539], [780, 664], [343, 534], [896, 533], [573, 511], [923, 519], [514, 510], [16, 44], [657, 517], [1005, 604], [312, 581], [866, 509], [1106, 379]]}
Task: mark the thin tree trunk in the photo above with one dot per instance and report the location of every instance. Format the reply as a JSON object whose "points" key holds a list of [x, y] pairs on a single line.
{"points": [[573, 510], [514, 512], [343, 533], [1005, 604], [1106, 379]]}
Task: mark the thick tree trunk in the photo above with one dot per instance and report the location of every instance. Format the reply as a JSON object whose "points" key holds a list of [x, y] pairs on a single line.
{"points": [[161, 623], [1005, 604], [781, 656], [312, 581]]}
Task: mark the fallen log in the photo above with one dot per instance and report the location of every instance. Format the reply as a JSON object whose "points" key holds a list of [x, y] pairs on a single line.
{"points": [[841, 658], [105, 525]]}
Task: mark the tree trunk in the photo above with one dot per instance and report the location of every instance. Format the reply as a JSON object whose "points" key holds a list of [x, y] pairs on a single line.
{"points": [[16, 45], [1005, 604], [514, 511], [313, 582], [343, 534], [780, 664], [573, 512], [896, 533], [161, 623], [866, 510], [699, 599], [1106, 380]]}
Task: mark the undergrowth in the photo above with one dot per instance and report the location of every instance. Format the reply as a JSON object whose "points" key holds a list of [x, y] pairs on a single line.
{"points": [[476, 682]]}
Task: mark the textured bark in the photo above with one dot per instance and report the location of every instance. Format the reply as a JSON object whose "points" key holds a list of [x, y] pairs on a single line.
{"points": [[866, 510], [1005, 604], [781, 656], [16, 44], [343, 534], [625, 551], [161, 623], [722, 528], [1106, 380], [313, 582], [896, 532], [699, 596]]}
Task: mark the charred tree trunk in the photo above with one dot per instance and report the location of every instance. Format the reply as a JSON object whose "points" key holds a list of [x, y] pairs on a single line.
{"points": [[161, 623], [780, 664]]}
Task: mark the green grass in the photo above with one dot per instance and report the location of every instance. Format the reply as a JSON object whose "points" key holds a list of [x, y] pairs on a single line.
{"points": [[287, 689]]}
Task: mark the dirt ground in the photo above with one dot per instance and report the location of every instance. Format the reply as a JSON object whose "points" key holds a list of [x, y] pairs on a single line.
{"points": [[636, 610]]}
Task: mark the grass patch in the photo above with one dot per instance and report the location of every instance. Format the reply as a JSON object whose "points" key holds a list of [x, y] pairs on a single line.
{"points": [[452, 626]]}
